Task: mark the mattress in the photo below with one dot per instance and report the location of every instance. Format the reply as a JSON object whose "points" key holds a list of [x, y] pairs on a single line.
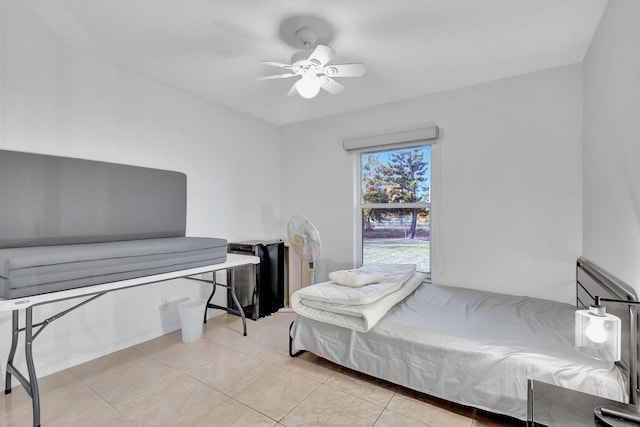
{"points": [[470, 347], [36, 270]]}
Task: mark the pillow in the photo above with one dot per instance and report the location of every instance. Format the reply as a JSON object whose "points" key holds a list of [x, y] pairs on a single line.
{"points": [[355, 278]]}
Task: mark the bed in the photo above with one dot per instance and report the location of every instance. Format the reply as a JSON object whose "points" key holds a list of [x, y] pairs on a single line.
{"points": [[479, 348]]}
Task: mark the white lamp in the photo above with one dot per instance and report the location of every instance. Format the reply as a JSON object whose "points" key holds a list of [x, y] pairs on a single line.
{"points": [[308, 86], [597, 335]]}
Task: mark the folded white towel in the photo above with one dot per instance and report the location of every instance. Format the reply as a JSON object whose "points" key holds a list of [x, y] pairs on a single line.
{"points": [[355, 278]]}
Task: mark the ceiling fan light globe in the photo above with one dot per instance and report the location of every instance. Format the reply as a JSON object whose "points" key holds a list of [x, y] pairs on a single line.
{"points": [[308, 86]]}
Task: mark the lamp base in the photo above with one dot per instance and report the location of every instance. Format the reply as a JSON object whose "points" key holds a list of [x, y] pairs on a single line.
{"points": [[616, 417]]}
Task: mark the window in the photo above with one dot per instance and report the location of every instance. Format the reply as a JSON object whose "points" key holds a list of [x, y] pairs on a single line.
{"points": [[394, 206]]}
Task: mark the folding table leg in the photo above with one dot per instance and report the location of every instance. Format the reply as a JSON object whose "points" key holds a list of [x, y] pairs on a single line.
{"points": [[28, 351], [12, 351], [213, 292], [232, 287]]}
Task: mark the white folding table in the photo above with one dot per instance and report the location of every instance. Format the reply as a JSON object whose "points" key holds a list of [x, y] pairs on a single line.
{"points": [[30, 384]]}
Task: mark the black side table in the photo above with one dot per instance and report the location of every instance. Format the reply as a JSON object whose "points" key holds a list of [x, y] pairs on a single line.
{"points": [[553, 406]]}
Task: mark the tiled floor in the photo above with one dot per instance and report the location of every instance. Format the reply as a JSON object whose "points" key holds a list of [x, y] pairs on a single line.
{"points": [[226, 379]]}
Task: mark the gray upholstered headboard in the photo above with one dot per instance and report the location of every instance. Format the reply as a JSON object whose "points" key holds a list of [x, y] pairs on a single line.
{"points": [[51, 200]]}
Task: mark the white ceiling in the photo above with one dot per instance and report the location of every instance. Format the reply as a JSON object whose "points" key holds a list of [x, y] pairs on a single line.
{"points": [[212, 48]]}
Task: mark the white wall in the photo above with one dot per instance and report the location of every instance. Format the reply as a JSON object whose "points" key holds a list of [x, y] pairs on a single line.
{"points": [[612, 143], [507, 207], [53, 101]]}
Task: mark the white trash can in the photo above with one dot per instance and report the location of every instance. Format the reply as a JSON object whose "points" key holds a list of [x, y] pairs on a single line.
{"points": [[191, 318]]}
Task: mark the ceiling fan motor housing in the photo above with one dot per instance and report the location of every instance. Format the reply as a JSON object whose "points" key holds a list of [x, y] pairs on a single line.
{"points": [[308, 37], [299, 57]]}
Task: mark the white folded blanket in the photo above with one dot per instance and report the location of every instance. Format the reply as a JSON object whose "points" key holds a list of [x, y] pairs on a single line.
{"points": [[393, 276], [360, 317]]}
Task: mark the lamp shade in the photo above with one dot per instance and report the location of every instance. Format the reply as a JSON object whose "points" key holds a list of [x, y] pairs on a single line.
{"points": [[308, 86], [597, 334]]}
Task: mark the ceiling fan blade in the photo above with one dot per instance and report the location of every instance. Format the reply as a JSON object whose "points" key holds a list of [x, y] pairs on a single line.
{"points": [[293, 90], [322, 54], [277, 76], [330, 85], [345, 70], [276, 64]]}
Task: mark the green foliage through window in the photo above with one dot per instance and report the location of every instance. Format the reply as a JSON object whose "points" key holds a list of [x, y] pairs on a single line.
{"points": [[395, 202]]}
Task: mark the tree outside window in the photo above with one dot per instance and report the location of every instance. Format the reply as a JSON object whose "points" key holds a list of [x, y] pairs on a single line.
{"points": [[396, 203]]}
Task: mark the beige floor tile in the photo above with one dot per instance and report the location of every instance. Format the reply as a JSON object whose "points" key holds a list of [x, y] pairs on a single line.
{"points": [[393, 419], [275, 392], [274, 341], [251, 345], [429, 410], [372, 389], [228, 412], [19, 403], [330, 407], [106, 362], [228, 332], [227, 326], [279, 347], [169, 406], [56, 381], [268, 333], [227, 319], [184, 357], [125, 374], [310, 366], [226, 372], [15, 410], [73, 404], [277, 321], [13, 401]]}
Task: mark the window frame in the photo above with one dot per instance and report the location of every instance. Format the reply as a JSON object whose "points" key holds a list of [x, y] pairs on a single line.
{"points": [[359, 206]]}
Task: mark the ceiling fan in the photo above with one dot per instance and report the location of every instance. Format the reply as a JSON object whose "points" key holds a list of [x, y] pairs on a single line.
{"points": [[311, 66]]}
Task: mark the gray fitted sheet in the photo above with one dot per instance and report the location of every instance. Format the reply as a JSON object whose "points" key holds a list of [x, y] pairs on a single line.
{"points": [[470, 347], [27, 271]]}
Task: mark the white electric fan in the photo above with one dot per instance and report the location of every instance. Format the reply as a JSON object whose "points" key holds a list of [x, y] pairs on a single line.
{"points": [[305, 240]]}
